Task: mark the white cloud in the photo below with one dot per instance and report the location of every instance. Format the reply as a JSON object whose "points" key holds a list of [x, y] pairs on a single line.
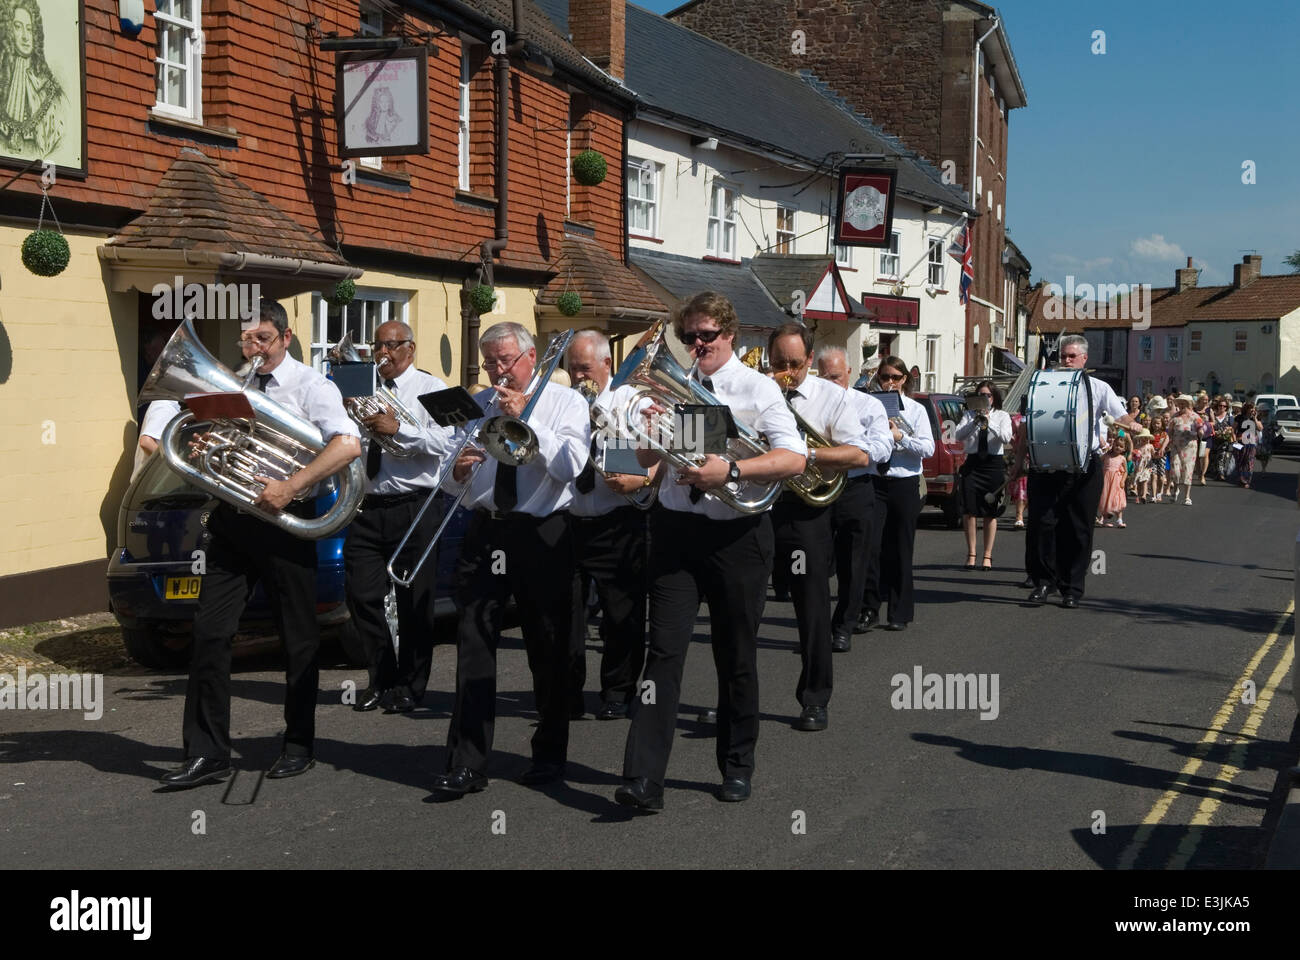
{"points": [[1156, 247]]}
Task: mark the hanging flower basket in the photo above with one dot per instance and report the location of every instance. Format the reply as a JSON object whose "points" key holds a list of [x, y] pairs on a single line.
{"points": [[46, 253], [343, 293], [589, 168], [569, 303], [482, 298]]}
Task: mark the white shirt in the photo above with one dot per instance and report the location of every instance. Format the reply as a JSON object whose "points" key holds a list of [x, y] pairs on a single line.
{"points": [[602, 500], [430, 442], [562, 422], [1104, 401], [304, 391], [1000, 431], [908, 453], [156, 416], [756, 401], [875, 426]]}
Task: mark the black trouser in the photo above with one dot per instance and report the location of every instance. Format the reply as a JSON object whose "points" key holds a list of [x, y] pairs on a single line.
{"points": [[1062, 510], [803, 548], [373, 535], [611, 550], [898, 507], [725, 562], [853, 519], [533, 559], [242, 551]]}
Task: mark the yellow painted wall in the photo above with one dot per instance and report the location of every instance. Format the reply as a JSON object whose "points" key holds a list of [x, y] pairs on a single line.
{"points": [[67, 380]]}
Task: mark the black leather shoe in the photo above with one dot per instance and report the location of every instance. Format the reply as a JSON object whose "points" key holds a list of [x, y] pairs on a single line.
{"points": [[841, 643], [370, 698], [640, 793], [197, 770], [1028, 583], [1041, 593], [612, 710], [866, 621], [708, 716], [1070, 602], [400, 703], [812, 719], [734, 791], [540, 773], [289, 766], [460, 781], [895, 626]]}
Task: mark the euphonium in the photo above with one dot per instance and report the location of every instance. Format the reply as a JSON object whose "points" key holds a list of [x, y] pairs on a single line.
{"points": [[816, 486], [359, 408], [227, 457], [651, 369], [644, 497]]}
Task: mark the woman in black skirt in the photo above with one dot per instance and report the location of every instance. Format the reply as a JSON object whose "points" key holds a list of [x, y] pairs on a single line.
{"points": [[984, 472]]}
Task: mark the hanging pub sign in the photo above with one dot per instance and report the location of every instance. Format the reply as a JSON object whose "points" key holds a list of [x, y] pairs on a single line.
{"points": [[43, 86], [866, 207], [381, 101]]}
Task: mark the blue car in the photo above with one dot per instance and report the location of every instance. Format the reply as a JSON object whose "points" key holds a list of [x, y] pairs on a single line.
{"points": [[153, 592]]}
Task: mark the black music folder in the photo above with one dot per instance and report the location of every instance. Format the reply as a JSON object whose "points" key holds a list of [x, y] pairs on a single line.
{"points": [[891, 400], [453, 407], [354, 379], [702, 428]]}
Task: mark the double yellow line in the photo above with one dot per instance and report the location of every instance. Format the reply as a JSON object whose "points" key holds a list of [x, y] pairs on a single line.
{"points": [[1230, 768]]}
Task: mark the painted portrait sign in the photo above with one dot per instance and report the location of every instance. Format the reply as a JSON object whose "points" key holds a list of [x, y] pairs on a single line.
{"points": [[41, 83], [381, 99], [866, 208]]}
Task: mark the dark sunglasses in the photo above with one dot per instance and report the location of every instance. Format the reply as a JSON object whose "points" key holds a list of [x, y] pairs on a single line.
{"points": [[703, 336]]}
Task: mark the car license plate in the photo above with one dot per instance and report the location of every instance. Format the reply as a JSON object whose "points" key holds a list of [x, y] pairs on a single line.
{"points": [[181, 588]]}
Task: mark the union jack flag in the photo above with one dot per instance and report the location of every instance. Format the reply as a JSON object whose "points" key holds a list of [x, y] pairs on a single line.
{"points": [[961, 250]]}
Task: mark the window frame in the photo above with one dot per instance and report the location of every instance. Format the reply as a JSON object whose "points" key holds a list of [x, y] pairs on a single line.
{"points": [[1173, 348], [844, 257], [1240, 340], [463, 111], [930, 353], [385, 298], [366, 12], [894, 252], [717, 193], [193, 69], [1194, 341], [638, 164], [936, 243], [785, 238], [1146, 347]]}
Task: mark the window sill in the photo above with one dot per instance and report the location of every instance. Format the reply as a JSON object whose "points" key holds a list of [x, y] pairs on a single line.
{"points": [[843, 269], [161, 119], [476, 199], [713, 259], [385, 177], [637, 236], [579, 228]]}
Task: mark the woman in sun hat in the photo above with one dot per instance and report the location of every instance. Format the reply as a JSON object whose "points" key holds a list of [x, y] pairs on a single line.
{"points": [[1184, 429]]}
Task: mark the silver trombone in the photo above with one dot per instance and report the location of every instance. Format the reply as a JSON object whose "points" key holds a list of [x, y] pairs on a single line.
{"points": [[507, 439]]}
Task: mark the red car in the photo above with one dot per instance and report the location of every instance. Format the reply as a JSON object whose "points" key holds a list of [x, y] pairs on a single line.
{"points": [[949, 454]]}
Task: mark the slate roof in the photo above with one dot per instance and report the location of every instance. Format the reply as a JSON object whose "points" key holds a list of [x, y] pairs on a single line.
{"points": [[684, 276], [605, 285], [784, 273], [680, 74], [200, 206]]}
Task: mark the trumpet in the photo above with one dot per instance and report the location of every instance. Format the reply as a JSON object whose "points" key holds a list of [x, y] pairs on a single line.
{"points": [[816, 486], [507, 439], [383, 399], [644, 497]]}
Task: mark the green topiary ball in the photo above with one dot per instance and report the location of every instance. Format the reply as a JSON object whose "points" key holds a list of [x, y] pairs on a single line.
{"points": [[343, 293], [46, 253], [482, 298], [589, 168], [569, 303]]}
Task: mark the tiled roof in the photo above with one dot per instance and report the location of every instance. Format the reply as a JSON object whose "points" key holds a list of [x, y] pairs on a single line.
{"points": [[785, 273], [605, 285], [199, 206], [683, 277], [1266, 298]]}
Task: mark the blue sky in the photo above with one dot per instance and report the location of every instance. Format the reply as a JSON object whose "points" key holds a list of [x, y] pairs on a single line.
{"points": [[1125, 164]]}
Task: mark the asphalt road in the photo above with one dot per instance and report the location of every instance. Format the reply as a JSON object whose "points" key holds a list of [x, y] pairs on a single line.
{"points": [[1121, 739]]}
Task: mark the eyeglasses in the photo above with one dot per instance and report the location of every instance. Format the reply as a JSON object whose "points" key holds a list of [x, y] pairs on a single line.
{"points": [[890, 377], [389, 345], [261, 340], [789, 364], [501, 364], [704, 336]]}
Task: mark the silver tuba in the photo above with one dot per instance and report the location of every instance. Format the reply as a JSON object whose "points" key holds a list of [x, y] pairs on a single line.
{"points": [[225, 460], [644, 497], [359, 408], [651, 369]]}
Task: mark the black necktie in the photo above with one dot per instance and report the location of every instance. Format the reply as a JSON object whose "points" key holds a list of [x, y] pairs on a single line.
{"points": [[262, 380], [984, 441], [586, 481], [505, 491], [696, 492], [375, 455]]}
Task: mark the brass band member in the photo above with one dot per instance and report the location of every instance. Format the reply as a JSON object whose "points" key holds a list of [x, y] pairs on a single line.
{"points": [[609, 538], [702, 548], [396, 489], [898, 501], [984, 434], [803, 532], [853, 513], [245, 549], [520, 521]]}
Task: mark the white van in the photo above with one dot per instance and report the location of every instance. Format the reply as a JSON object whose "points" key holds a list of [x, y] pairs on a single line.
{"points": [[1269, 403]]}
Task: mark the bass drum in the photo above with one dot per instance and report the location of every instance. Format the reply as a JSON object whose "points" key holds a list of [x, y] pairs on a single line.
{"points": [[1059, 421]]}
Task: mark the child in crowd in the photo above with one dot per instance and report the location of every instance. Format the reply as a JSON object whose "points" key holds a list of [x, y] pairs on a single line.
{"points": [[1115, 466], [1159, 441]]}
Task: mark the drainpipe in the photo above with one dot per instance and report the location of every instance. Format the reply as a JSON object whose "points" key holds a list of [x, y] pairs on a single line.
{"points": [[492, 248], [975, 140]]}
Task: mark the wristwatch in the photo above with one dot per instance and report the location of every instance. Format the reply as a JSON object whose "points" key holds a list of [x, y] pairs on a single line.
{"points": [[733, 472], [812, 456]]}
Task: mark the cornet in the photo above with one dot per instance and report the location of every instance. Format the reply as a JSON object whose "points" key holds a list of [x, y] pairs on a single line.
{"points": [[816, 486], [359, 408]]}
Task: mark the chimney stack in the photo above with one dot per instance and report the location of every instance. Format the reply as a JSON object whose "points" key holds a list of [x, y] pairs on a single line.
{"points": [[1185, 279], [598, 28], [1247, 272]]}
